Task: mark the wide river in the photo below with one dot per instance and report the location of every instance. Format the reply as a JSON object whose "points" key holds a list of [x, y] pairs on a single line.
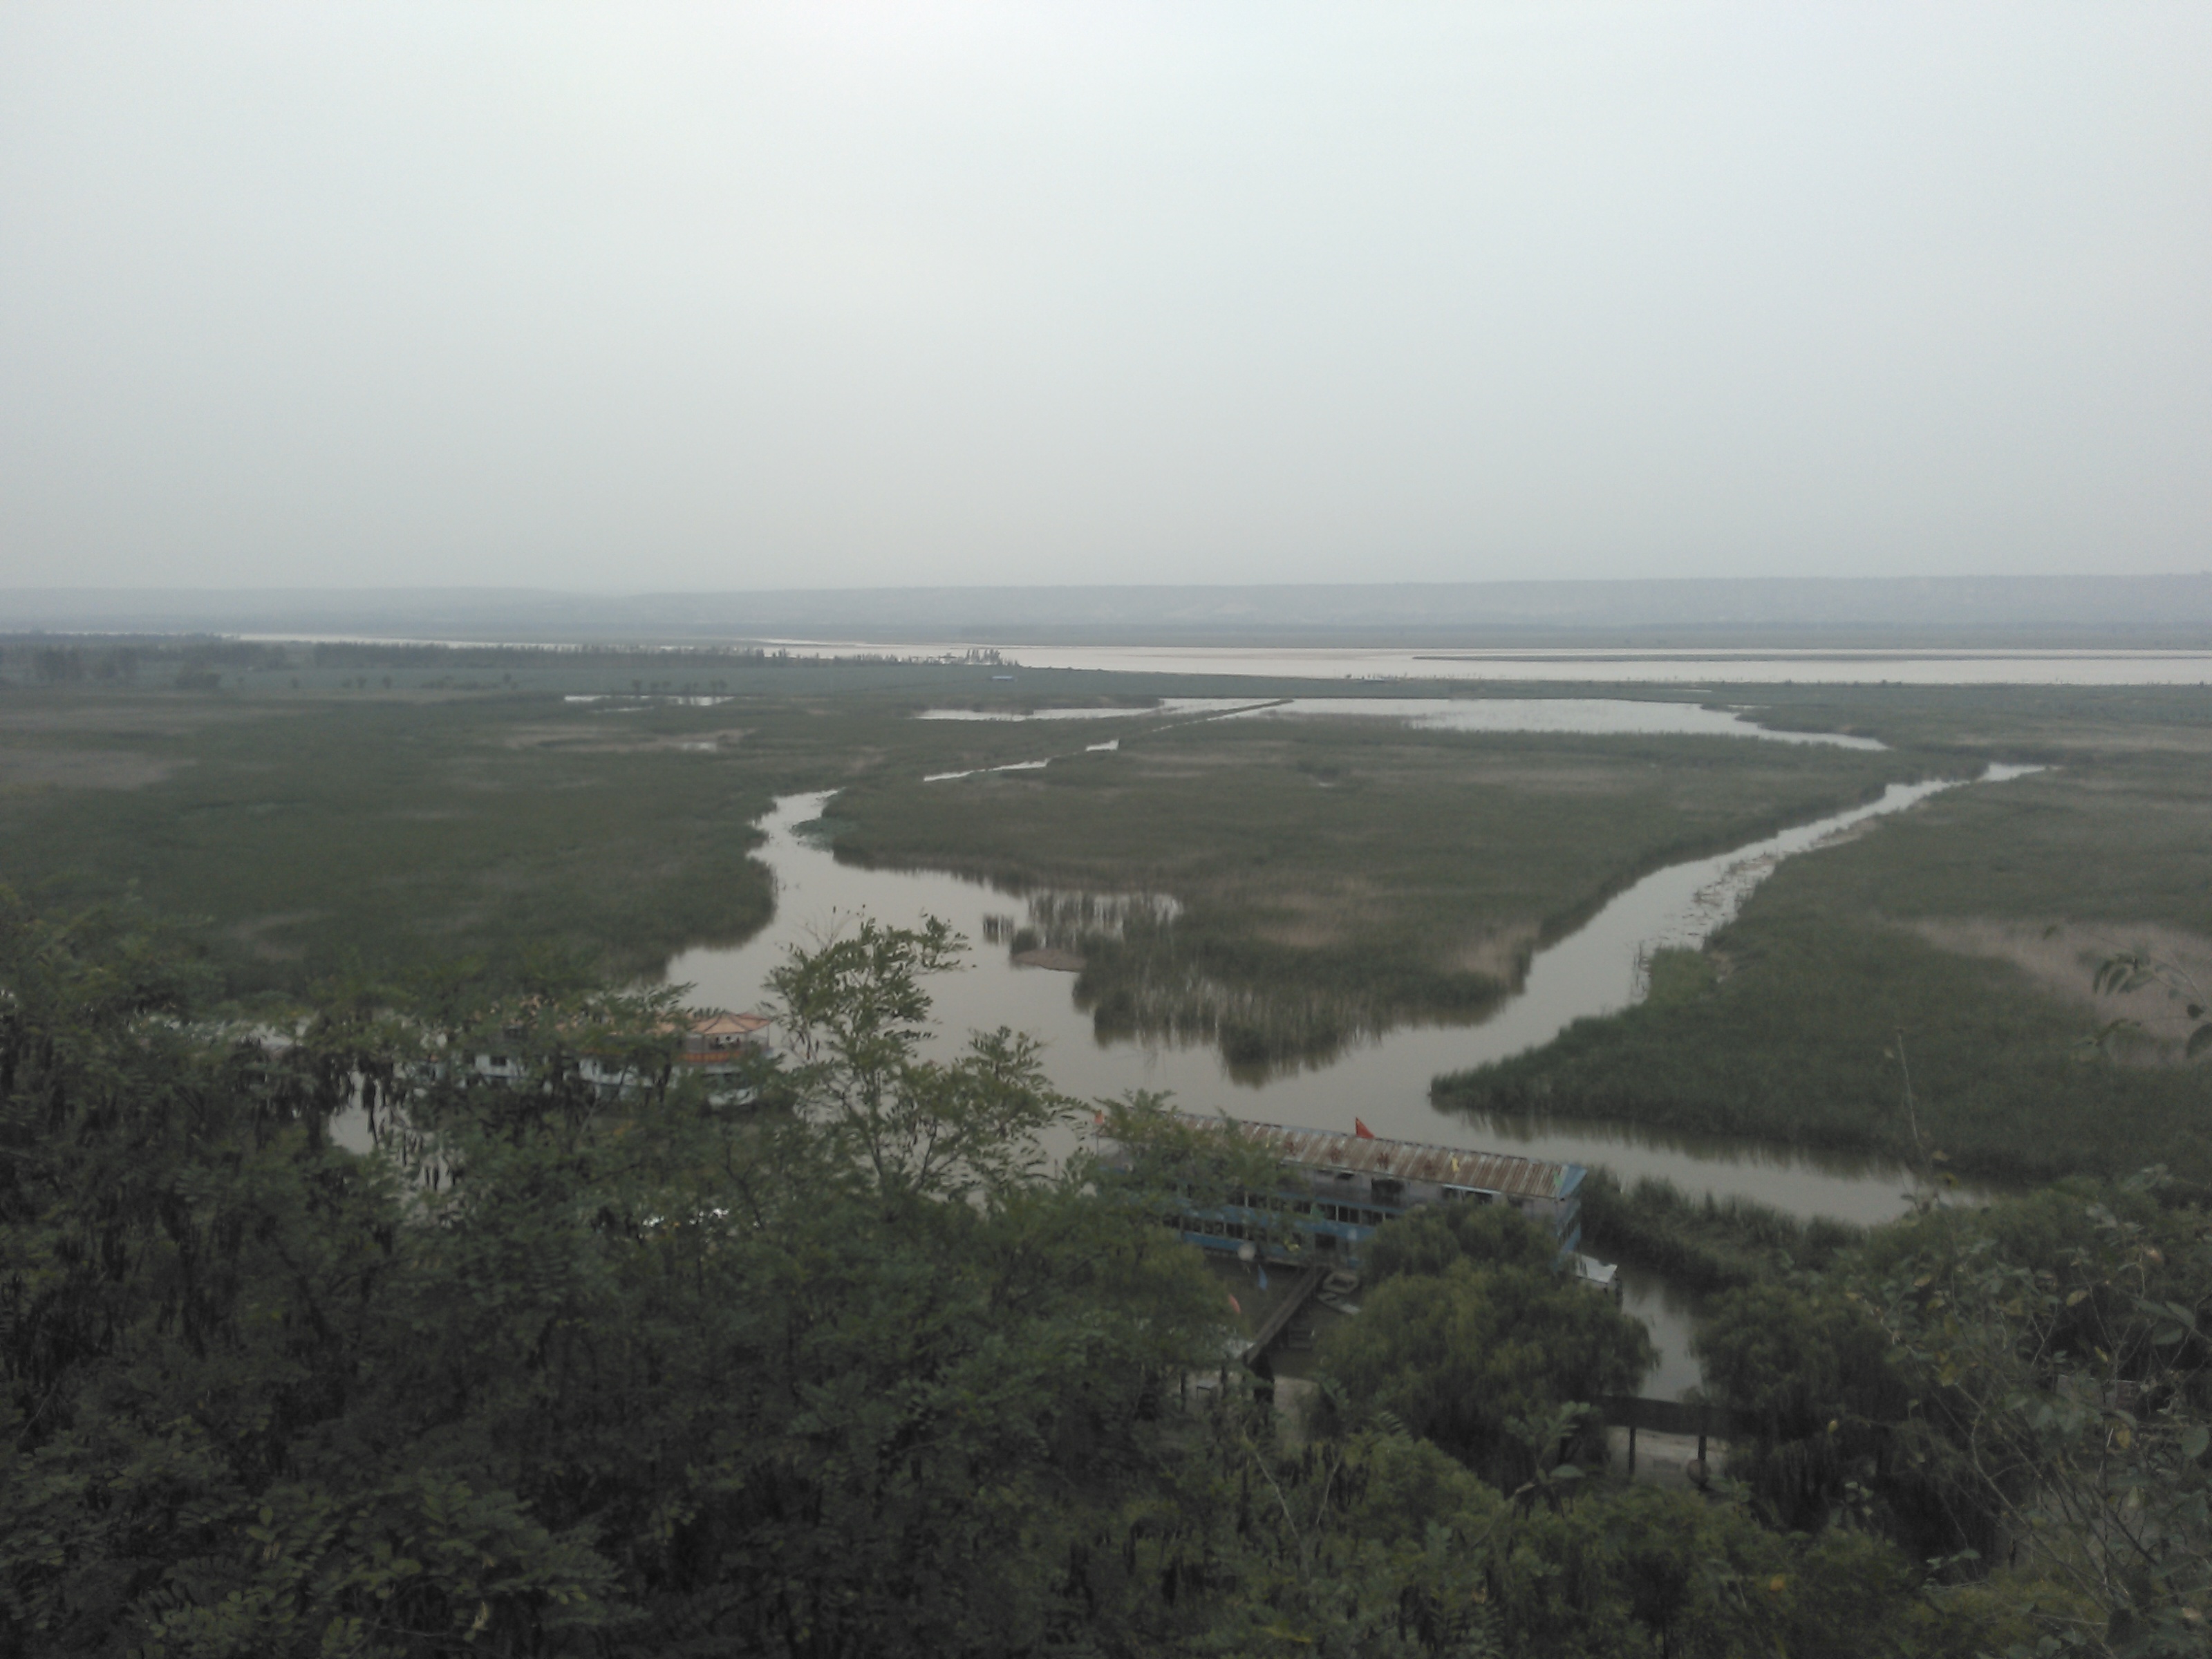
{"points": [[1593, 971], [1613, 667]]}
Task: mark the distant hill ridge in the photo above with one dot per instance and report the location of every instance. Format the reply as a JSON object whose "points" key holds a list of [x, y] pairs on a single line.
{"points": [[2016, 611]]}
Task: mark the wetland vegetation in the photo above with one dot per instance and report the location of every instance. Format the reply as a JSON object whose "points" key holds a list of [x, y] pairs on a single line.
{"points": [[1324, 878], [1335, 877], [1952, 952], [337, 806], [328, 810], [668, 1374], [1706, 1243]]}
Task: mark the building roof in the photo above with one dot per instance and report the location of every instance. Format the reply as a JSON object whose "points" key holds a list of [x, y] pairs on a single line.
{"points": [[715, 1023], [711, 1035], [1405, 1160]]}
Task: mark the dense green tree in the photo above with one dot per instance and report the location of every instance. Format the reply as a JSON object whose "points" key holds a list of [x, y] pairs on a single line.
{"points": [[2059, 1345], [552, 1370], [1479, 1353], [1813, 1371], [1429, 1240], [1371, 1543], [839, 1363], [2024, 1383]]}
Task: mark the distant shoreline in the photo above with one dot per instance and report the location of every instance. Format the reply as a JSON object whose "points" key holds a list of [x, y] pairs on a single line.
{"points": [[1955, 615]]}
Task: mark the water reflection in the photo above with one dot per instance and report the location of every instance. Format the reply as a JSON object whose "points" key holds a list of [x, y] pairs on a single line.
{"points": [[1069, 918], [1670, 1314]]}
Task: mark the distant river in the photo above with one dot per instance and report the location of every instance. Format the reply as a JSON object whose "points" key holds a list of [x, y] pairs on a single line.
{"points": [[1607, 715], [1622, 666]]}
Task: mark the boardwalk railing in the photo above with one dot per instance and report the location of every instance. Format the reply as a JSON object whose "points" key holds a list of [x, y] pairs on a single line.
{"points": [[1634, 1411]]}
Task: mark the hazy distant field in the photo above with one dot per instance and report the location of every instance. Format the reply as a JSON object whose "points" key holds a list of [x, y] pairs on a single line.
{"points": [[341, 825], [320, 810]]}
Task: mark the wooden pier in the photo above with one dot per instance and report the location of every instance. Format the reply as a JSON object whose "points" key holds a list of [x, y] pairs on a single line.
{"points": [[1634, 1411]]}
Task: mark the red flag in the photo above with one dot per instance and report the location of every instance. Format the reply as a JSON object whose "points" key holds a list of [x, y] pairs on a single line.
{"points": [[1360, 1130]]}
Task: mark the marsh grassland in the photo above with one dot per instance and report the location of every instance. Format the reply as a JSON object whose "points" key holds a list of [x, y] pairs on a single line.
{"points": [[317, 841], [1335, 876], [1328, 877], [332, 809], [314, 821], [1961, 937]]}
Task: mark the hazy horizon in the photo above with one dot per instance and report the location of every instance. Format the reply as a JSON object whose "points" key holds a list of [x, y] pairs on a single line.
{"points": [[2101, 612], [673, 299]]}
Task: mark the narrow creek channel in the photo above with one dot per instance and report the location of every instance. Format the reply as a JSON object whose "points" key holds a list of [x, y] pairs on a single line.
{"points": [[1593, 971]]}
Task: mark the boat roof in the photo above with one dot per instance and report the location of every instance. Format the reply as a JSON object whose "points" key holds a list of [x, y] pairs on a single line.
{"points": [[1405, 1160]]}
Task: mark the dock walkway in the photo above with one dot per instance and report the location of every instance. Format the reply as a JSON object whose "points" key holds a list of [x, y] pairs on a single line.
{"points": [[1301, 1292]]}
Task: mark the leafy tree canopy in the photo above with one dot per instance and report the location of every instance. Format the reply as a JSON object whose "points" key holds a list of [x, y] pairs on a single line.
{"points": [[1491, 1341], [850, 1368]]}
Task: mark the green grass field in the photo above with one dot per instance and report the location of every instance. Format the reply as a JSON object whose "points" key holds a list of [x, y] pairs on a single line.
{"points": [[314, 841], [322, 809], [326, 808]]}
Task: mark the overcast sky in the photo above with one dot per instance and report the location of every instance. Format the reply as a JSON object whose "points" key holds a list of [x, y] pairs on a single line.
{"points": [[640, 297]]}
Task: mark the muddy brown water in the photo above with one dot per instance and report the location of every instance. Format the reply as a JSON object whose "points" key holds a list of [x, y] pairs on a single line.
{"points": [[1593, 971]]}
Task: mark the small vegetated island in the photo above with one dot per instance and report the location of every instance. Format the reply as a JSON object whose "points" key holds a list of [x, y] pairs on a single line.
{"points": [[323, 1334]]}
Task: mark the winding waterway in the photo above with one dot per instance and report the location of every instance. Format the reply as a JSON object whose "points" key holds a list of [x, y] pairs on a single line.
{"points": [[1593, 971]]}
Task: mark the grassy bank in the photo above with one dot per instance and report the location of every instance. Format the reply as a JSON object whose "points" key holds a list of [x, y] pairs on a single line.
{"points": [[1967, 930], [1332, 877]]}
